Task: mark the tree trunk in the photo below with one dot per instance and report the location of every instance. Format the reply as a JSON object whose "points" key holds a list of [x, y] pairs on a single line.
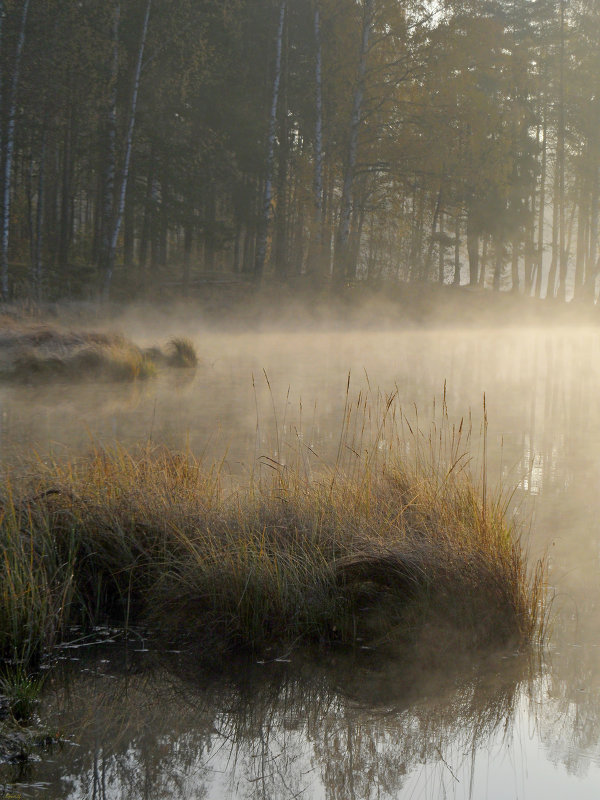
{"points": [[282, 220], [210, 222], [561, 158], [343, 234], [39, 219], [499, 263], [516, 282], [163, 234], [108, 202], [542, 210], [2, 11], [8, 149], [248, 257], [156, 204], [441, 251], [582, 234], [237, 247], [416, 229], [129, 222], [529, 256], [188, 240], [483, 266], [419, 225], [29, 196], [358, 219], [298, 258], [551, 290], [315, 265], [569, 235], [592, 268], [434, 225], [472, 248], [263, 229], [66, 209], [457, 248], [116, 227], [328, 238], [97, 209], [147, 221]]}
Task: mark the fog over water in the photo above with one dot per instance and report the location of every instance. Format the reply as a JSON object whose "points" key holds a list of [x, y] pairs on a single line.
{"points": [[148, 725]]}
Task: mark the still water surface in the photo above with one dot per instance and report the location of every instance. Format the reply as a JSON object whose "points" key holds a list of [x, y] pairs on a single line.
{"points": [[149, 725]]}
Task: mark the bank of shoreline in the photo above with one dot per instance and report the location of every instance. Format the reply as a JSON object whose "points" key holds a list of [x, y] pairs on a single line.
{"points": [[240, 304]]}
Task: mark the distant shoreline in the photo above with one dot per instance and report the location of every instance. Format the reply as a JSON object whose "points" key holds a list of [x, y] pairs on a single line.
{"points": [[239, 304]]}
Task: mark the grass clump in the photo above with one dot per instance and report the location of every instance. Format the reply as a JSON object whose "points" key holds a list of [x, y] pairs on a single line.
{"points": [[179, 353], [378, 553], [118, 361], [43, 352], [21, 690], [182, 353]]}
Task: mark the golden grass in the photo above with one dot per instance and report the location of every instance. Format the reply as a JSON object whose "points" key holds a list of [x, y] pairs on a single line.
{"points": [[376, 549], [44, 352]]}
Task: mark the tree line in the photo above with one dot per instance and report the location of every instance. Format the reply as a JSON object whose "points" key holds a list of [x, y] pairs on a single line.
{"points": [[146, 142]]}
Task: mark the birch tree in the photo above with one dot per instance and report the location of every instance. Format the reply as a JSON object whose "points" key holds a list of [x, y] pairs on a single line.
{"points": [[118, 217]]}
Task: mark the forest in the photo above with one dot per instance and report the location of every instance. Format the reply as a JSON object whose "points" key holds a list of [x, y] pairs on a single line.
{"points": [[153, 143]]}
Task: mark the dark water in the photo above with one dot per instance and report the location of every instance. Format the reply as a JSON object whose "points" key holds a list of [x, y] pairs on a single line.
{"points": [[151, 725]]}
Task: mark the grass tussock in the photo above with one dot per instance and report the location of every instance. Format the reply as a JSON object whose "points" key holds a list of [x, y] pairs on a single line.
{"points": [[179, 353], [21, 691], [43, 352], [377, 553], [182, 353]]}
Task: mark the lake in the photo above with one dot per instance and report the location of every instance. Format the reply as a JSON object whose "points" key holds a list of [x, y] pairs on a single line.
{"points": [[142, 722]]}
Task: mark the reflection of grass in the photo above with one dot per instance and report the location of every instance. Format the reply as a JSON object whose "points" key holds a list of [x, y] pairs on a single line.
{"points": [[375, 550], [359, 721]]}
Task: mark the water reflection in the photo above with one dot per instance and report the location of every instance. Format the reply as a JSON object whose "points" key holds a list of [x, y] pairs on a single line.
{"points": [[153, 727]]}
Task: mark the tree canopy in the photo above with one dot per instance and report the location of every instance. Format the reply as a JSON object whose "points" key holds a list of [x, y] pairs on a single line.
{"points": [[146, 142]]}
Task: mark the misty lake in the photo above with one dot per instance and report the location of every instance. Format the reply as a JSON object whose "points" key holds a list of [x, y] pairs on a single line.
{"points": [[145, 723]]}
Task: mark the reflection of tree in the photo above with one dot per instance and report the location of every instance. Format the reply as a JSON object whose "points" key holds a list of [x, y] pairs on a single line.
{"points": [[407, 729], [568, 713], [558, 462], [131, 739], [355, 729]]}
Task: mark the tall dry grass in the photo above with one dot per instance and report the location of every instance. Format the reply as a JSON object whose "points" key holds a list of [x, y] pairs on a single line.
{"points": [[392, 540]]}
